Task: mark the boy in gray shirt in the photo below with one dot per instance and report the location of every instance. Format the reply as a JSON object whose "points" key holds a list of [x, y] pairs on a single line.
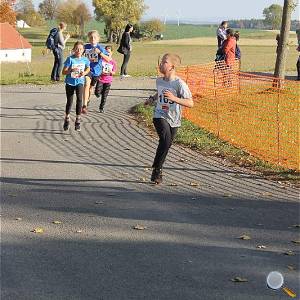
{"points": [[172, 93]]}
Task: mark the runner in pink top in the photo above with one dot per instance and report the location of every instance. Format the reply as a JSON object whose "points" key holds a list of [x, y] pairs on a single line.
{"points": [[103, 85]]}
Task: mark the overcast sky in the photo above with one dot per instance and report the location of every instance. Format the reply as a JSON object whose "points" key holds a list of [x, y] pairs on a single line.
{"points": [[206, 10]]}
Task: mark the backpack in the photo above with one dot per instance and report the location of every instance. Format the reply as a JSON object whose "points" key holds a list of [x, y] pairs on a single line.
{"points": [[51, 41], [238, 52]]}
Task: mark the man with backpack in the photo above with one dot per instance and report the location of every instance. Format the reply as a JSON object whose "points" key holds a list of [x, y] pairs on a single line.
{"points": [[56, 42]]}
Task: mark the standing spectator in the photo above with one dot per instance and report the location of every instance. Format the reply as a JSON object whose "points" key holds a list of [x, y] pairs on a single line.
{"points": [[277, 40], [60, 42], [125, 49], [221, 33], [229, 47], [298, 48], [238, 54]]}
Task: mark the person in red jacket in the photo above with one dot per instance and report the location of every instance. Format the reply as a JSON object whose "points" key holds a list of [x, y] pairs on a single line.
{"points": [[229, 47]]}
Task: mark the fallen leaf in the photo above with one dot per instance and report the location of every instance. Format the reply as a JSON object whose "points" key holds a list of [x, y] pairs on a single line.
{"points": [[147, 169], [139, 227], [261, 247], [239, 279], [289, 252], [283, 187], [18, 219], [78, 231], [37, 230], [194, 198], [227, 195], [267, 194], [296, 241], [56, 222], [173, 184], [143, 179], [289, 292], [182, 160], [291, 268], [193, 184], [124, 173], [244, 237]]}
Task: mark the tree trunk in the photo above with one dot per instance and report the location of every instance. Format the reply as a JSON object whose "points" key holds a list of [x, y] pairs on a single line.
{"points": [[81, 27], [284, 39]]}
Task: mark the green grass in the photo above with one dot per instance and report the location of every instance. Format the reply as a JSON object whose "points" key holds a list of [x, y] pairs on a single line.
{"points": [[208, 144]]}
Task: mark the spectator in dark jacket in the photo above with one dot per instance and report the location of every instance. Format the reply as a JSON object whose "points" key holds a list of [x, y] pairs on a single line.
{"points": [[125, 48], [60, 42], [298, 48], [238, 54]]}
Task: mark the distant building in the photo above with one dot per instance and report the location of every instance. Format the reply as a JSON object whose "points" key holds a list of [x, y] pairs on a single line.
{"points": [[13, 46], [22, 24]]}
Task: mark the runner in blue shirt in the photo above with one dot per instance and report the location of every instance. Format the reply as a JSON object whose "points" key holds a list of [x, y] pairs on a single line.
{"points": [[94, 52], [76, 67]]}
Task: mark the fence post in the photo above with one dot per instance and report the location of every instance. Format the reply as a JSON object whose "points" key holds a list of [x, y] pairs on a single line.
{"points": [[278, 127], [216, 101]]}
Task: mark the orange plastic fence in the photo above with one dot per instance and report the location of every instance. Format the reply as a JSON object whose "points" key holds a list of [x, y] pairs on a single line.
{"points": [[256, 113]]}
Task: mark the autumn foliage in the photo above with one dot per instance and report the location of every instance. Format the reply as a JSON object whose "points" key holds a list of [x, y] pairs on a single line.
{"points": [[7, 14]]}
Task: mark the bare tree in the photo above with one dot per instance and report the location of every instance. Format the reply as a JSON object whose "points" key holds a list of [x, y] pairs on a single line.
{"points": [[288, 7], [48, 9], [75, 13]]}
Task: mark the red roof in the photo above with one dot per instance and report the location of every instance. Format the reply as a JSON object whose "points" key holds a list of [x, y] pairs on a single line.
{"points": [[10, 38]]}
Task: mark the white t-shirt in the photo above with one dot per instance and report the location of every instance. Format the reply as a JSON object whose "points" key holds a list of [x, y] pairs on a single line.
{"points": [[166, 109]]}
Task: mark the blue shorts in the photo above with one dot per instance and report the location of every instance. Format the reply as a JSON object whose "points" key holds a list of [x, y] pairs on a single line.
{"points": [[94, 78]]}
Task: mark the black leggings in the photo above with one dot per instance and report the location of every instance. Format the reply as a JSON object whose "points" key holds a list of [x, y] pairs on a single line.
{"points": [[102, 89], [166, 135], [70, 89], [125, 63]]}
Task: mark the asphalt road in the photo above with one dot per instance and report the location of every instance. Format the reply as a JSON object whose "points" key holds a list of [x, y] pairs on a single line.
{"points": [[96, 184]]}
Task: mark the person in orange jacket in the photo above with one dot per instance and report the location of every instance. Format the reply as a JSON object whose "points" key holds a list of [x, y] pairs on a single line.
{"points": [[229, 46]]}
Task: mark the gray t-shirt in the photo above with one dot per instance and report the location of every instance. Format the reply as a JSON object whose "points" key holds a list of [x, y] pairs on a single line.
{"points": [[61, 41], [166, 109]]}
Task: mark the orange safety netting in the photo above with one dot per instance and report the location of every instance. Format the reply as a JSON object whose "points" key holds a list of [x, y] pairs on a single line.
{"points": [[256, 113]]}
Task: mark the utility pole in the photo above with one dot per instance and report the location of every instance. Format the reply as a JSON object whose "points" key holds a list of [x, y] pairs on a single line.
{"points": [[288, 7]]}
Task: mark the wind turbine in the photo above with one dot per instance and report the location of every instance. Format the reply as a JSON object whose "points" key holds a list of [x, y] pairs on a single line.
{"points": [[165, 17], [178, 15]]}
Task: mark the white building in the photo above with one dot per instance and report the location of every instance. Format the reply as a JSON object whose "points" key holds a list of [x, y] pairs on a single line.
{"points": [[13, 46], [22, 24]]}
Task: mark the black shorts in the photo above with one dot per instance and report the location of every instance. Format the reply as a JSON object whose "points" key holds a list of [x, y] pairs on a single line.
{"points": [[94, 79]]}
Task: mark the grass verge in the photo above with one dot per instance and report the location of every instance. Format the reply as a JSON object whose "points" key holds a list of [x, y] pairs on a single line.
{"points": [[208, 144]]}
